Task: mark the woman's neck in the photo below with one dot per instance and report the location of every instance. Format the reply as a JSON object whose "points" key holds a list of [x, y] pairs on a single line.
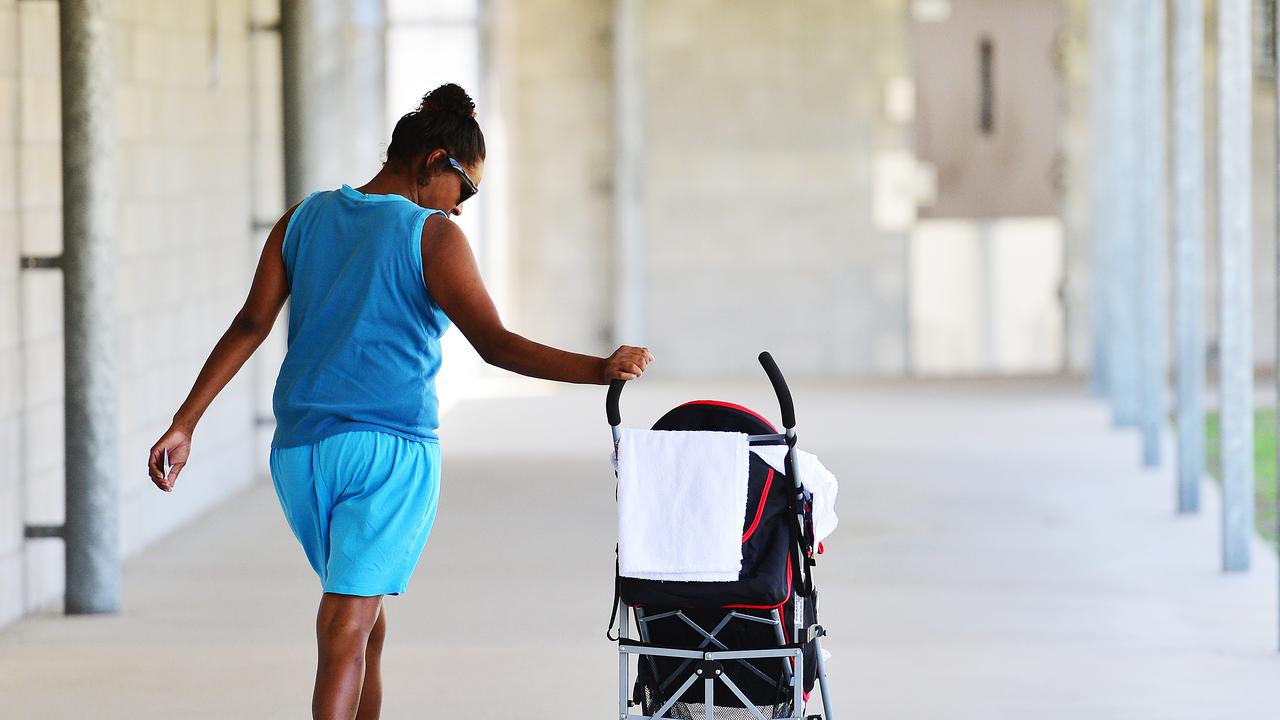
{"points": [[388, 182]]}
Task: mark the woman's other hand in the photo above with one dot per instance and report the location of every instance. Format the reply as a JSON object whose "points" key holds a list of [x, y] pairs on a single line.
{"points": [[177, 441], [626, 363]]}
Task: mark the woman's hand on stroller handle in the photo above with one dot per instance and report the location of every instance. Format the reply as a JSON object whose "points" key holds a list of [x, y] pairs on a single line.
{"points": [[626, 363]]}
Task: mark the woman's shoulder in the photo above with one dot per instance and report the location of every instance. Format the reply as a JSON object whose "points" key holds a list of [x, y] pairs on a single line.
{"points": [[439, 232]]}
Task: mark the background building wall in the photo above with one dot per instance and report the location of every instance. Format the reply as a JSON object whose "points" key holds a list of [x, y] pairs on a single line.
{"points": [[770, 143], [559, 101], [766, 134], [199, 183], [782, 189]]}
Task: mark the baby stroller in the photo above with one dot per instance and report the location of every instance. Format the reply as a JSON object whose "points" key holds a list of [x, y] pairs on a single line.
{"points": [[755, 644]]}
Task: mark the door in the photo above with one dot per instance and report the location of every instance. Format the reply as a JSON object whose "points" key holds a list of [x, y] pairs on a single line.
{"points": [[987, 250]]}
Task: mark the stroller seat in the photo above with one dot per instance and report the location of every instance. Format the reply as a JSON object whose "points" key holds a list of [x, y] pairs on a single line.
{"points": [[765, 581]]}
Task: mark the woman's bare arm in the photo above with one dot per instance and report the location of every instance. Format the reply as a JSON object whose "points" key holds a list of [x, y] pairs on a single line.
{"points": [[248, 329], [452, 275]]}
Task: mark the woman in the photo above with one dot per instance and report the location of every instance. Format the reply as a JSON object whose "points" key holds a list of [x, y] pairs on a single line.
{"points": [[377, 273]]}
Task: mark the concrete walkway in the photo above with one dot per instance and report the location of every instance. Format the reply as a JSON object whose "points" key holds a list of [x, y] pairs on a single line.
{"points": [[1000, 555]]}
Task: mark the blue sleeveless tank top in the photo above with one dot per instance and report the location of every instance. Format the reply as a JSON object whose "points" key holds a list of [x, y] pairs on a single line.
{"points": [[364, 330]]}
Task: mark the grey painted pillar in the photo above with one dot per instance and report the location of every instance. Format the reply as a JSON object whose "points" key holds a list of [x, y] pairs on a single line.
{"points": [[1153, 244], [1188, 232], [297, 46], [333, 72], [629, 177], [1123, 371], [1102, 191], [89, 260], [1275, 12], [1235, 242]]}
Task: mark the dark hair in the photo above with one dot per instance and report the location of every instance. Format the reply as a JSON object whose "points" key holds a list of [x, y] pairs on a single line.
{"points": [[446, 118]]}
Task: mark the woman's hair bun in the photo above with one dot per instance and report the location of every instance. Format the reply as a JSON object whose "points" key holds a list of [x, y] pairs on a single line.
{"points": [[448, 98], [446, 119]]}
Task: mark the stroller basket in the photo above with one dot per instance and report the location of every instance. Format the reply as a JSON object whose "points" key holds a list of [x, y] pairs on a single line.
{"points": [[742, 650]]}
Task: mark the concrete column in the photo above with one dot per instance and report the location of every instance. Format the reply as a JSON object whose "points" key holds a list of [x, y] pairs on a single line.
{"points": [[297, 45], [333, 57], [89, 260], [1275, 13], [1235, 242], [629, 185], [1102, 192], [1123, 372], [1153, 228], [1188, 232]]}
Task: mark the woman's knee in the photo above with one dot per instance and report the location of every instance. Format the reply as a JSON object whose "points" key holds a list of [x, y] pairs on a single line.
{"points": [[347, 617]]}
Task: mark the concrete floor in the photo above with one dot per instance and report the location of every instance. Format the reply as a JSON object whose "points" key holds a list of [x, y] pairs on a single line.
{"points": [[1000, 555]]}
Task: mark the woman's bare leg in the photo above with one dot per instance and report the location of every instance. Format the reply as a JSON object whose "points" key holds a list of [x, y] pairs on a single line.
{"points": [[371, 695], [343, 626]]}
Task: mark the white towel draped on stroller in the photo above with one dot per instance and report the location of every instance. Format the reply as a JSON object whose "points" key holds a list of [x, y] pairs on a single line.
{"points": [[815, 478], [682, 497]]}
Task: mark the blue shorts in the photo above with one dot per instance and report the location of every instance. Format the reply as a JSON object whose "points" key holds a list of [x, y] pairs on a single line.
{"points": [[362, 504]]}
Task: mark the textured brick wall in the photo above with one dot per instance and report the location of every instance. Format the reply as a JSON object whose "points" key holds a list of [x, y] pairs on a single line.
{"points": [[198, 163]]}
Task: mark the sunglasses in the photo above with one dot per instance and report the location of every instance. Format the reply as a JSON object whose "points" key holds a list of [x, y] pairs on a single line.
{"points": [[468, 185]]}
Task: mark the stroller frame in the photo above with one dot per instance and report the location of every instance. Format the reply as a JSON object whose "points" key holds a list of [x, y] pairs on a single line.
{"points": [[703, 664]]}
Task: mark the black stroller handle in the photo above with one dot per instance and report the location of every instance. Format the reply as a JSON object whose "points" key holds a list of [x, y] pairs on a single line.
{"points": [[611, 402], [770, 368], [780, 389]]}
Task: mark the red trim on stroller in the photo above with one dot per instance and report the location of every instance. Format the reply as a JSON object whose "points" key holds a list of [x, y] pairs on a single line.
{"points": [[764, 495], [735, 406]]}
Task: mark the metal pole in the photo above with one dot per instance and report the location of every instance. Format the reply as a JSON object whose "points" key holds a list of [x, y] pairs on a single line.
{"points": [[1275, 16], [1123, 343], [623, 660], [1102, 192], [1235, 241], [1153, 235], [1188, 230], [89, 315], [827, 712], [629, 185]]}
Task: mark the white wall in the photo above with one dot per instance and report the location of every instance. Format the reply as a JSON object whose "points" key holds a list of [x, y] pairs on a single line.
{"points": [[984, 297]]}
